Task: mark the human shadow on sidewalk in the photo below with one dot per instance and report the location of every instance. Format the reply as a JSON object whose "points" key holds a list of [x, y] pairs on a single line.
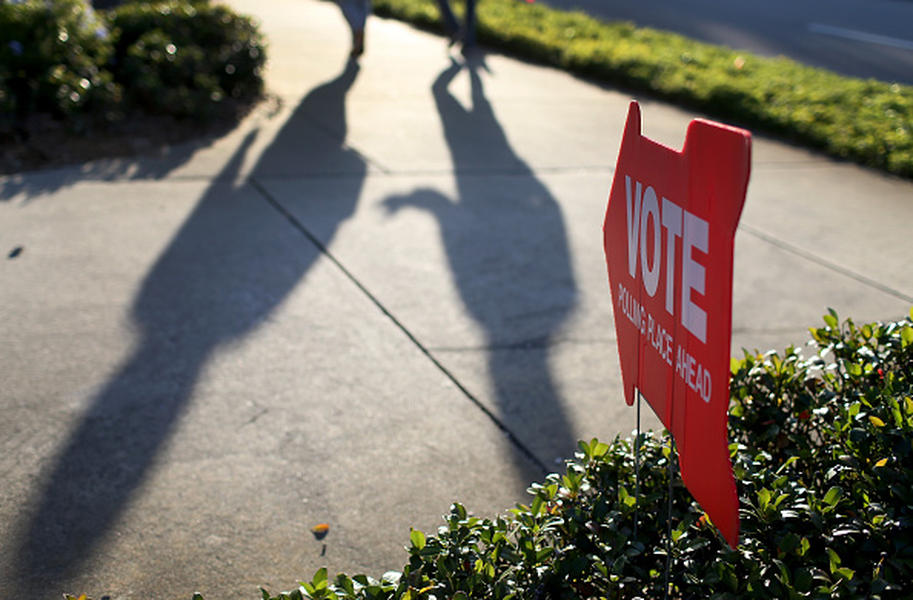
{"points": [[232, 263], [508, 253]]}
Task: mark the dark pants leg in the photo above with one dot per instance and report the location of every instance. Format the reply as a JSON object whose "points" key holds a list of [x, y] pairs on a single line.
{"points": [[450, 22], [469, 35]]}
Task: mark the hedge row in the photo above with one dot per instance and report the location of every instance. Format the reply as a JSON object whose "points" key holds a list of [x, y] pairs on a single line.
{"points": [[185, 58], [822, 449], [870, 122]]}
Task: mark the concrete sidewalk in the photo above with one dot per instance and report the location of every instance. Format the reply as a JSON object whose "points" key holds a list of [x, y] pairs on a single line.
{"points": [[384, 295]]}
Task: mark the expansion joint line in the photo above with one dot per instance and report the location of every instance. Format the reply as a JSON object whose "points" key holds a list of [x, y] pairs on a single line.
{"points": [[303, 230], [828, 264]]}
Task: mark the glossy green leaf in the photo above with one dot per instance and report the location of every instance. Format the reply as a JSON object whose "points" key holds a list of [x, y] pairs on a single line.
{"points": [[906, 335], [833, 495], [418, 539]]}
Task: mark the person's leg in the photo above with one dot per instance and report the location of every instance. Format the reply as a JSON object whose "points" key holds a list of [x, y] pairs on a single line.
{"points": [[349, 11], [364, 9], [356, 14], [451, 26], [358, 30], [469, 34]]}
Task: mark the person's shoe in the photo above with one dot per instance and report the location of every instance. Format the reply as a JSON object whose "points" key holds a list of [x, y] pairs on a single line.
{"points": [[453, 37], [358, 43]]}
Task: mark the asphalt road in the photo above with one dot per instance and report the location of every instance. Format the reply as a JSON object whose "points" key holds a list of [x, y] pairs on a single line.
{"points": [[859, 38]]}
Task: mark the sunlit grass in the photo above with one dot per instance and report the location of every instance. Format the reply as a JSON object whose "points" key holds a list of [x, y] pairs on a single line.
{"points": [[865, 121]]}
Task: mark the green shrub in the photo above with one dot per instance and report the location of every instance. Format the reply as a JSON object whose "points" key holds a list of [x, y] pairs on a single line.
{"points": [[53, 58], [821, 450], [186, 58]]}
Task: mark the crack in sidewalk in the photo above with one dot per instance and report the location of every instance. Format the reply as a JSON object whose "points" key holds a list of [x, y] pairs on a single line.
{"points": [[534, 343], [835, 267], [322, 248]]}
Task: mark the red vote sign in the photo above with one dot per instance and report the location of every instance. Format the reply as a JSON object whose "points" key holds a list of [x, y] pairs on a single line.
{"points": [[669, 233]]}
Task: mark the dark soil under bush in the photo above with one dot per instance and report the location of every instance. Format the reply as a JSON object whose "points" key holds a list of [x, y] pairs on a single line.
{"points": [[43, 142]]}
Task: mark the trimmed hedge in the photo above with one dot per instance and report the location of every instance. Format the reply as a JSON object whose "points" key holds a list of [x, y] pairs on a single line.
{"points": [[53, 58], [869, 122], [184, 58], [822, 454]]}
